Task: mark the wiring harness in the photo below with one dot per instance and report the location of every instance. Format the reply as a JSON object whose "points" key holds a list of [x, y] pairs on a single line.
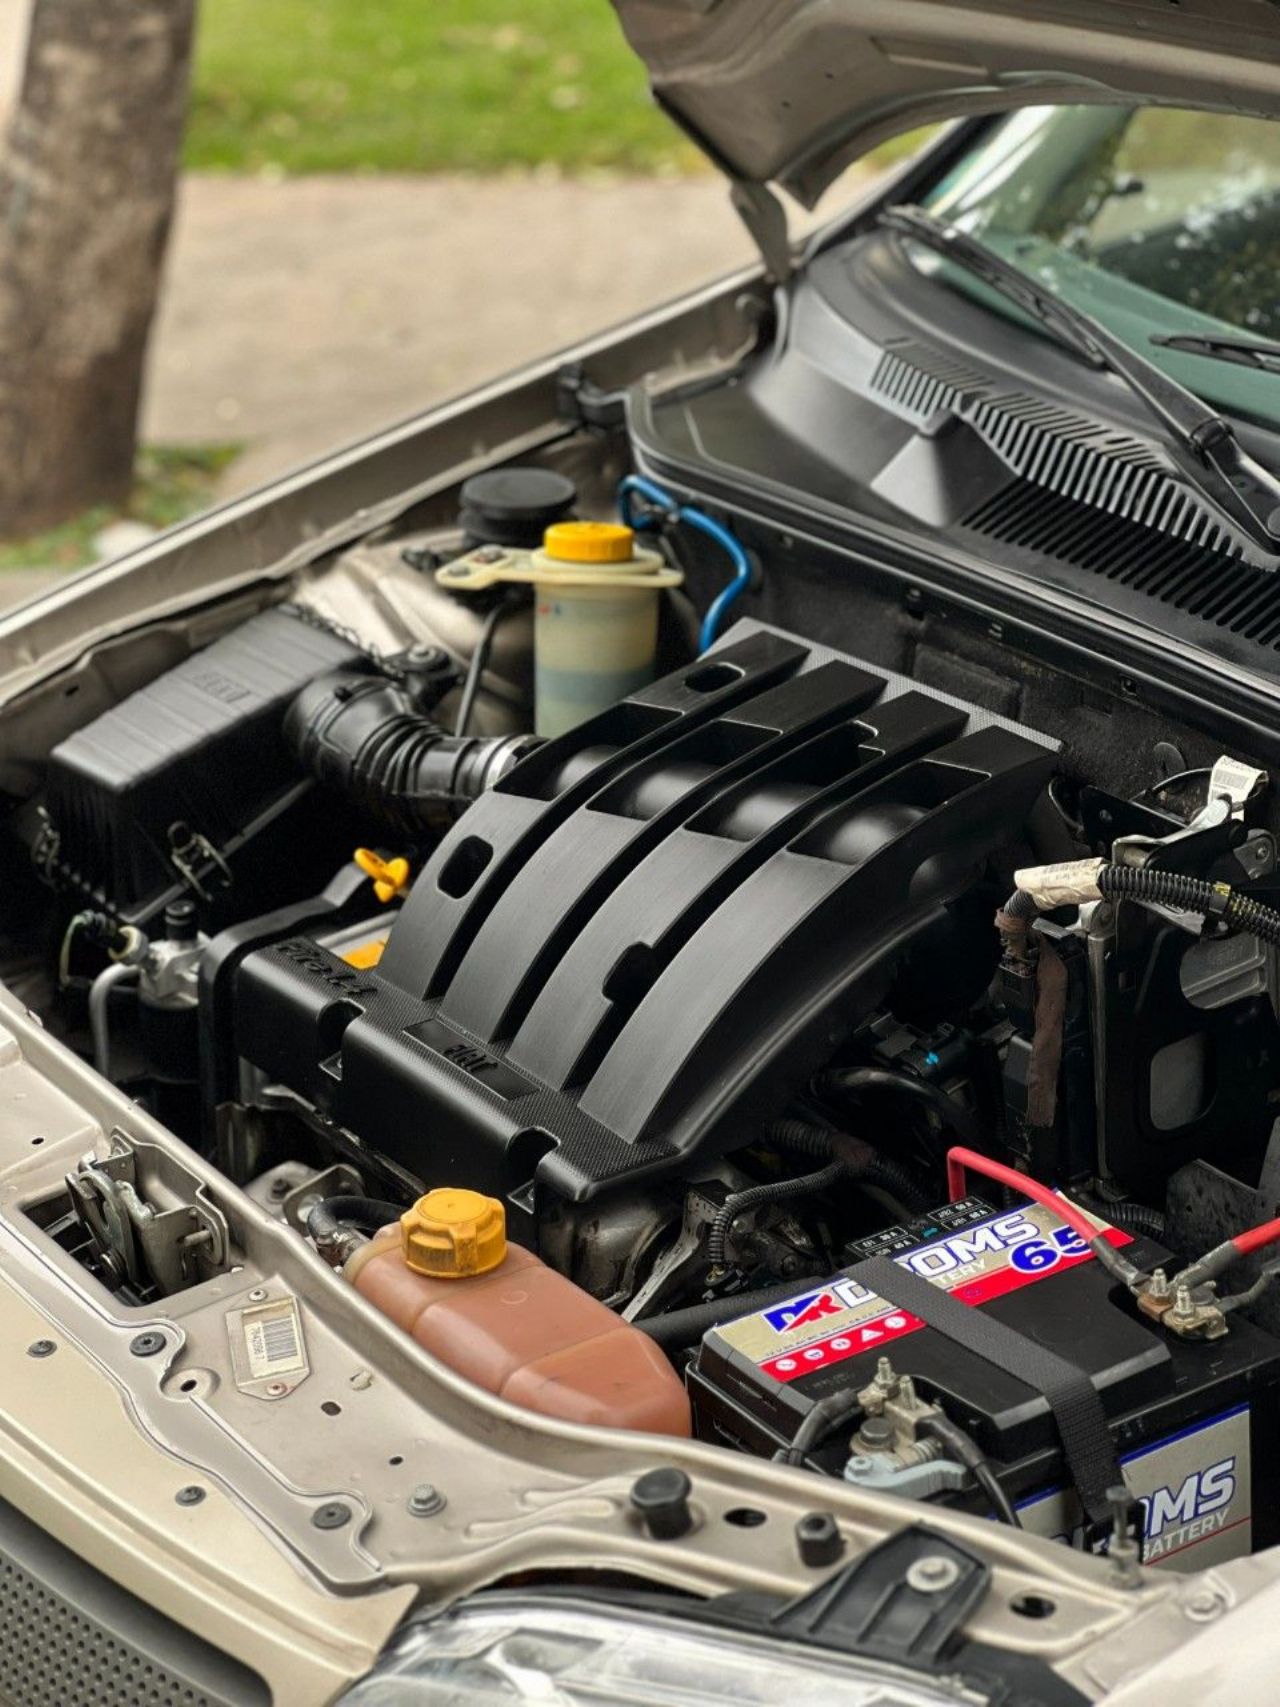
{"points": [[1041, 888]]}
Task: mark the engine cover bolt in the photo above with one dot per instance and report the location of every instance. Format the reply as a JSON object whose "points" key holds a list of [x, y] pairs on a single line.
{"points": [[660, 1498], [146, 1345], [932, 1574], [190, 1495], [426, 1500], [818, 1538], [42, 1348]]}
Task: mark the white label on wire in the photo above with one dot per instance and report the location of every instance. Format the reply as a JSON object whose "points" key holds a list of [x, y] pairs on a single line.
{"points": [[1237, 781], [1067, 883]]}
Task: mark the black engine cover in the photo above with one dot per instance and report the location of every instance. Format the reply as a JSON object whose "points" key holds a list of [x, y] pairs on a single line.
{"points": [[647, 936]]}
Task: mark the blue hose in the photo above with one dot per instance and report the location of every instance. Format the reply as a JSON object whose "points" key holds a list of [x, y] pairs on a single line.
{"points": [[667, 510]]}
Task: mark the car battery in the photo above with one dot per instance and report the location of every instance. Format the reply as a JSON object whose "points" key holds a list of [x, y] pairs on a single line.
{"points": [[1193, 1422]]}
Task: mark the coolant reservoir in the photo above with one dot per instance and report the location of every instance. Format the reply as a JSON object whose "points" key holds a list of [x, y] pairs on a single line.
{"points": [[595, 632], [500, 1317]]}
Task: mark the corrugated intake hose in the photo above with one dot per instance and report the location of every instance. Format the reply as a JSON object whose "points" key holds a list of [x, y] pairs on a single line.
{"points": [[362, 735]]}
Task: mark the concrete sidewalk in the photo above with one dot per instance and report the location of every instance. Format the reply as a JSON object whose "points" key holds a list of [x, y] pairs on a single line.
{"points": [[301, 314]]}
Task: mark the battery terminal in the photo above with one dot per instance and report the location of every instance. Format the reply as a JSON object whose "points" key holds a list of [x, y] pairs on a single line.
{"points": [[1192, 1311]]}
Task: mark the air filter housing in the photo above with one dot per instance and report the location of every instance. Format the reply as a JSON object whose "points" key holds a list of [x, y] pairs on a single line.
{"points": [[192, 761]]}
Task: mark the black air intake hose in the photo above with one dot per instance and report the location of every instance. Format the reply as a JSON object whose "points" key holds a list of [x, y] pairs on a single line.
{"points": [[851, 1081], [363, 736]]}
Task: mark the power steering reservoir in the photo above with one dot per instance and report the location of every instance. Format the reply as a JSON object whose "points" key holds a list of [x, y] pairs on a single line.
{"points": [[596, 595]]}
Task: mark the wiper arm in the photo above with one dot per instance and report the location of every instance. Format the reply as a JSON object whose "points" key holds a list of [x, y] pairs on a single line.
{"points": [[1223, 347], [1209, 453]]}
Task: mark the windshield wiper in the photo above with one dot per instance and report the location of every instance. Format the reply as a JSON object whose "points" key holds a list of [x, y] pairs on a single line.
{"points": [[1223, 347], [1207, 449]]}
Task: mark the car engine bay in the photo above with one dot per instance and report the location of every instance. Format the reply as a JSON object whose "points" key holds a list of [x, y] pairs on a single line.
{"points": [[782, 1007], [856, 1032]]}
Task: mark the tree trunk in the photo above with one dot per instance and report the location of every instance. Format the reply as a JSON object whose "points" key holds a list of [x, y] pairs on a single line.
{"points": [[87, 184]]}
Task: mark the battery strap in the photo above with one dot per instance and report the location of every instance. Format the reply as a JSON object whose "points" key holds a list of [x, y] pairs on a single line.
{"points": [[1082, 1423]]}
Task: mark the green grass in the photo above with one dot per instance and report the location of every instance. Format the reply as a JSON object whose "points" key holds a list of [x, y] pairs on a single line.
{"points": [[300, 86], [422, 86], [170, 483]]}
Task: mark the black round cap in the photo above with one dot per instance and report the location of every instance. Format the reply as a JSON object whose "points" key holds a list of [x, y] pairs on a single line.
{"points": [[514, 506], [661, 1499]]}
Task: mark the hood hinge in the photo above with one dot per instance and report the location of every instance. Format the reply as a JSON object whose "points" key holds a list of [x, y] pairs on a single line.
{"points": [[766, 219]]}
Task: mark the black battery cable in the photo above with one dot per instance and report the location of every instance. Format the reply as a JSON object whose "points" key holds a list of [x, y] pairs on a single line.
{"points": [[839, 1410], [834, 1411], [961, 1446]]}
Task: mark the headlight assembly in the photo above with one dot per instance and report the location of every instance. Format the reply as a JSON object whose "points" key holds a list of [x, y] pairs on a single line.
{"points": [[562, 1653]]}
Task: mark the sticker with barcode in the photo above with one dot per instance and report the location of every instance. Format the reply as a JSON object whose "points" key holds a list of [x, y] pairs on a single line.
{"points": [[1234, 779], [273, 1338]]}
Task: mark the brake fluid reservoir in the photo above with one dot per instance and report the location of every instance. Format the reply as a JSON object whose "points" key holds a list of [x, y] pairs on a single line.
{"points": [[499, 1316], [596, 595]]}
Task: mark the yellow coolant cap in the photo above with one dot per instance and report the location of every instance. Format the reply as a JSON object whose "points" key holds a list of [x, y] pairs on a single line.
{"points": [[589, 542], [450, 1234]]}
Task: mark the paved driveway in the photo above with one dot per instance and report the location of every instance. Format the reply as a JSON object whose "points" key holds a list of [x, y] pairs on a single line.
{"points": [[300, 314]]}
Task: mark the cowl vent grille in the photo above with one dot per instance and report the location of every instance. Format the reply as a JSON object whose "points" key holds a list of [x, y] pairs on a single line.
{"points": [[1195, 579], [1053, 449]]}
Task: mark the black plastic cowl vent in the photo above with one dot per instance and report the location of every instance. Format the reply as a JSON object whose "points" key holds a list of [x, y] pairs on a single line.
{"points": [[1211, 586], [1053, 449]]}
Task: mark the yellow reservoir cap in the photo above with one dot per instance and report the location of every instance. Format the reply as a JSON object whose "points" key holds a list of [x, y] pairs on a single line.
{"points": [[589, 542], [451, 1234]]}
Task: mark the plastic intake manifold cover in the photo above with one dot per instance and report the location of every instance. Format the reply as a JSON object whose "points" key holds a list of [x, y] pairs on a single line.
{"points": [[646, 937]]}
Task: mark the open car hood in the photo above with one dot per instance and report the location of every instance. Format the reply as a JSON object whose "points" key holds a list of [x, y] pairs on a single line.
{"points": [[791, 91]]}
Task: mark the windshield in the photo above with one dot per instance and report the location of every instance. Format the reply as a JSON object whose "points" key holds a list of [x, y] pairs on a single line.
{"points": [[1154, 220]]}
